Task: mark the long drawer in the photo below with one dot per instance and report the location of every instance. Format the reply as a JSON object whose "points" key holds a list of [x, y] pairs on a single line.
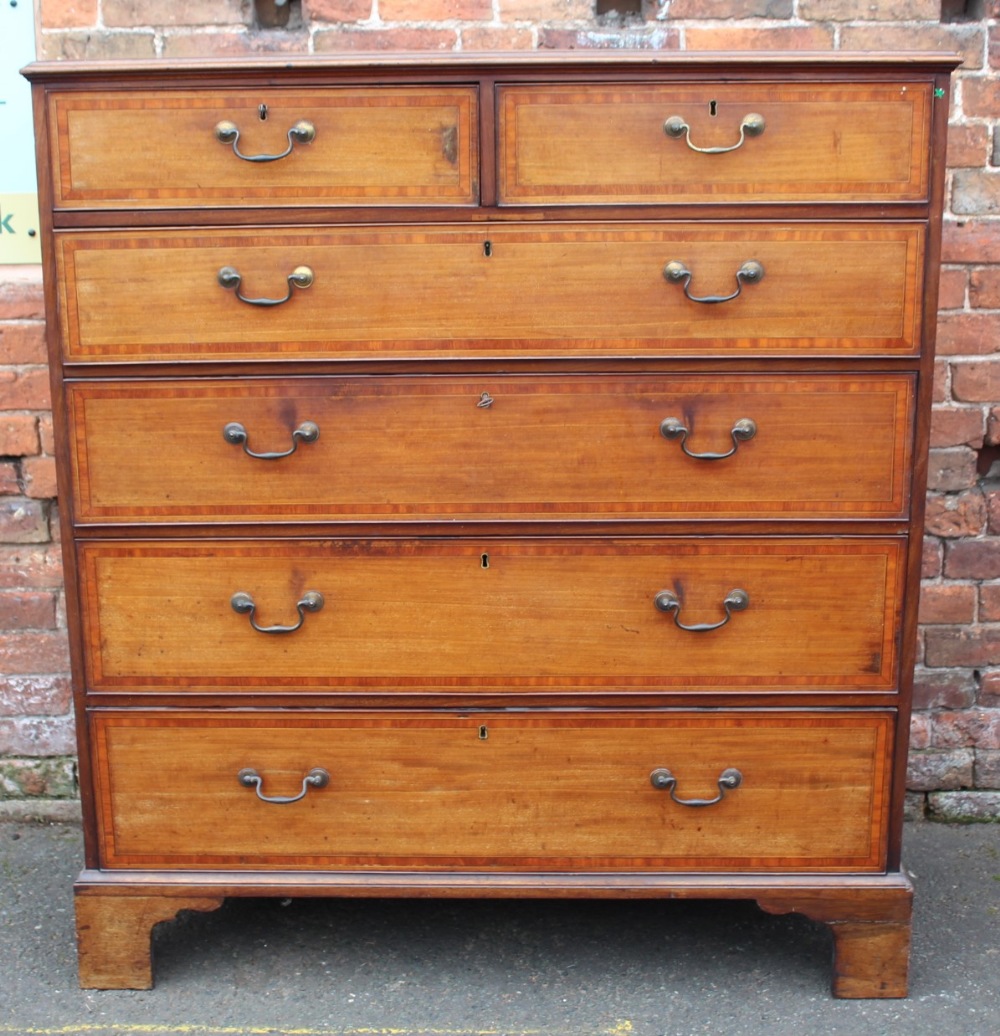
{"points": [[487, 291], [374, 145], [495, 446], [494, 791], [505, 615], [562, 144]]}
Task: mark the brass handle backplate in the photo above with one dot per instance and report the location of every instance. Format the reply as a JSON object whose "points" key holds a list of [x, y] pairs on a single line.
{"points": [[752, 125], [231, 279], [315, 778], [236, 433], [672, 428], [303, 132], [750, 272], [243, 604], [663, 780], [734, 601]]}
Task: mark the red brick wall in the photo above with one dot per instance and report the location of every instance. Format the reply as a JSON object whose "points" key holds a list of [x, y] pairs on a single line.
{"points": [[955, 757]]}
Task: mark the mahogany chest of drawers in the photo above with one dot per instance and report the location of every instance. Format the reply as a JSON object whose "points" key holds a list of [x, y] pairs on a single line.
{"points": [[493, 476]]}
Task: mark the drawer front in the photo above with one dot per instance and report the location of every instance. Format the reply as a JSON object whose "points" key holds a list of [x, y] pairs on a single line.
{"points": [[509, 448], [576, 290], [494, 792], [163, 149], [808, 142], [510, 616]]}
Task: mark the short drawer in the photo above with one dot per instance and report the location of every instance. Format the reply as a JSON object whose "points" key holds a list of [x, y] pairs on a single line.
{"points": [[264, 146], [491, 615], [500, 447], [713, 142], [645, 289], [796, 791]]}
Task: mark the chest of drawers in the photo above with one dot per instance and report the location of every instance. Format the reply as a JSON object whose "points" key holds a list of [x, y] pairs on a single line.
{"points": [[493, 476]]}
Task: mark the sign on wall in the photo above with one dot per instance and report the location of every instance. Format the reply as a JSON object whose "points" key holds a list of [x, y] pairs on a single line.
{"points": [[19, 242]]}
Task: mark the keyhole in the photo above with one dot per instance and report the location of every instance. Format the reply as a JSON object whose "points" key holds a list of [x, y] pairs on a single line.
{"points": [[484, 560], [262, 112], [483, 732], [713, 108], [487, 248]]}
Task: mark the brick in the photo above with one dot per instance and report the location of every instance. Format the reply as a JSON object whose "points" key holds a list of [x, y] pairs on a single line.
{"points": [[986, 769], [35, 695], [404, 39], [994, 47], [10, 478], [943, 689], [39, 475], [968, 334], [337, 10], [21, 294], [980, 96], [798, 37], [37, 736], [969, 648], [975, 192], [989, 688], [231, 44], [649, 38], [966, 728], [976, 381], [969, 145], [951, 470], [23, 521], [46, 435], [870, 10], [37, 778], [67, 14], [130, 13], [957, 426], [932, 770], [971, 241], [712, 9], [489, 38], [947, 604], [27, 610], [25, 388], [973, 559], [31, 567], [544, 10], [952, 285], [963, 807], [34, 652], [435, 10], [993, 510], [992, 437], [97, 44], [23, 342], [984, 287], [941, 389], [966, 39], [19, 435], [989, 602], [954, 515], [920, 731], [931, 562]]}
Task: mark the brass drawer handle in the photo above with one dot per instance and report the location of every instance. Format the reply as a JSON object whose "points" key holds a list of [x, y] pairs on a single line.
{"points": [[236, 433], [751, 272], [243, 604], [663, 780], [315, 778], [672, 428], [303, 132], [735, 601], [230, 278], [752, 125]]}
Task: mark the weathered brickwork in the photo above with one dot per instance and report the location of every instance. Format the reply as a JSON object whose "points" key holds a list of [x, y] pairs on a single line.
{"points": [[955, 750]]}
